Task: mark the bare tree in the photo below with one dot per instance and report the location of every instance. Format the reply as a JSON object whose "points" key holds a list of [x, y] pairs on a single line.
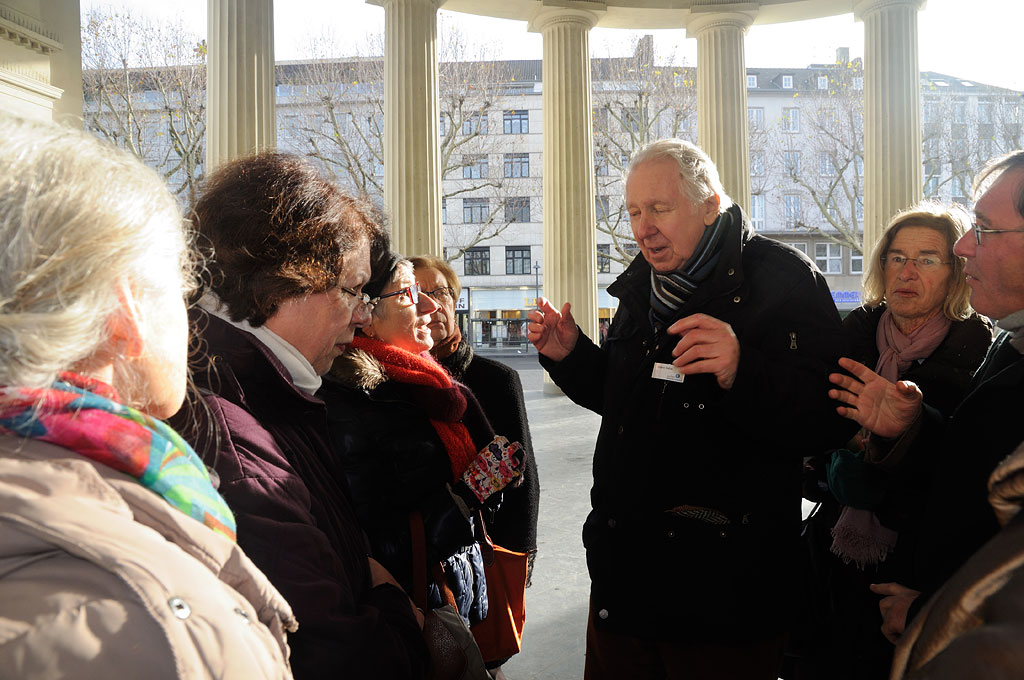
{"points": [[145, 91], [332, 110], [818, 145], [635, 102]]}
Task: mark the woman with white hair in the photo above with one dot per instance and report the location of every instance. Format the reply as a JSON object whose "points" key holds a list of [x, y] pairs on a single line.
{"points": [[117, 554]]}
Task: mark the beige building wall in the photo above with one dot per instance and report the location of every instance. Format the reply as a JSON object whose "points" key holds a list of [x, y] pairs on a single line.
{"points": [[41, 59]]}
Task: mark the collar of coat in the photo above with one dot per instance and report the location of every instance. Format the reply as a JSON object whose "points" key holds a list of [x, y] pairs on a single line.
{"points": [[358, 369]]}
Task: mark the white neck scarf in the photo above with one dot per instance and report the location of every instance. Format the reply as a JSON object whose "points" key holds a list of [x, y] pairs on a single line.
{"points": [[301, 372]]}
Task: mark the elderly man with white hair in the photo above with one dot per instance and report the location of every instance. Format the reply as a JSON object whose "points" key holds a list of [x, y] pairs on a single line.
{"points": [[708, 386]]}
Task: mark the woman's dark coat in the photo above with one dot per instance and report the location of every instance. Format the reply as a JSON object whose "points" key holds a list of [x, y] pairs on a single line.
{"points": [[739, 451], [294, 521], [500, 393], [394, 463]]}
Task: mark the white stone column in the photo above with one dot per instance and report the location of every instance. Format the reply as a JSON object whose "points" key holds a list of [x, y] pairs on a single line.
{"points": [[412, 155], [722, 92], [892, 111], [240, 100], [570, 239]]}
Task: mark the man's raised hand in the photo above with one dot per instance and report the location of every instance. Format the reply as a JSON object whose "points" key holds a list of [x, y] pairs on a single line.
{"points": [[554, 333]]}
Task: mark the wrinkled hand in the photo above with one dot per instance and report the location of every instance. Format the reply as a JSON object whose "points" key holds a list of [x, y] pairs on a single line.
{"points": [[886, 409], [894, 607], [495, 467], [706, 345], [554, 333]]}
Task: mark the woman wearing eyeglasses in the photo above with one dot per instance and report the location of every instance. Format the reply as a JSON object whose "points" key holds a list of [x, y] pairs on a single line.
{"points": [[411, 441], [287, 256], [917, 325], [497, 387]]}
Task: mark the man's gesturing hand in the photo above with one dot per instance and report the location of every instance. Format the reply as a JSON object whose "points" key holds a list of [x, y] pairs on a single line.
{"points": [[707, 345], [554, 333], [886, 409]]}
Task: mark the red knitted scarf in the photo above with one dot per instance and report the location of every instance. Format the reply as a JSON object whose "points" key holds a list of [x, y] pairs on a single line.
{"points": [[441, 400]]}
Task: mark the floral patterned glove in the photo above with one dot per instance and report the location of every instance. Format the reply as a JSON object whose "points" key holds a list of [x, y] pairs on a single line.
{"points": [[495, 467]]}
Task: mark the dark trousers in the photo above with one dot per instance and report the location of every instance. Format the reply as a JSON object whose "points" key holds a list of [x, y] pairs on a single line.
{"points": [[614, 656]]}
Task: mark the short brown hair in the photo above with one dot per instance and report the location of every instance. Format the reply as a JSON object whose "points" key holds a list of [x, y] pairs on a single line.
{"points": [[952, 223], [274, 228], [441, 265]]}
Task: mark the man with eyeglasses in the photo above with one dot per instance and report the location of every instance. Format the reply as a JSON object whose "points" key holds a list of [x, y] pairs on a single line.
{"points": [[909, 438]]}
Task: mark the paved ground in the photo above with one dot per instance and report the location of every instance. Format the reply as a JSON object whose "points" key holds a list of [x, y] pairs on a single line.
{"points": [[556, 604]]}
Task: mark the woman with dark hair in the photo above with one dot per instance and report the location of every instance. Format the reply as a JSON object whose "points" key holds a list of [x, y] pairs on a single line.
{"points": [[117, 554], [412, 441], [288, 255]]}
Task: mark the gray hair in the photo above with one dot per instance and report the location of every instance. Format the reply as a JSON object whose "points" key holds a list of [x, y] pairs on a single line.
{"points": [[994, 169], [697, 173], [78, 220]]}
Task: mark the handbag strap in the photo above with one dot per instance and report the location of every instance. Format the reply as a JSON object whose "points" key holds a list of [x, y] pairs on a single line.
{"points": [[419, 566]]}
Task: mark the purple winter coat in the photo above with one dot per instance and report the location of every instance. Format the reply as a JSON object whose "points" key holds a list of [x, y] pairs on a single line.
{"points": [[294, 521]]}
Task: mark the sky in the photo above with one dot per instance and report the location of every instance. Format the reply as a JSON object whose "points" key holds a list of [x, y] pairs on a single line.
{"points": [[976, 40]]}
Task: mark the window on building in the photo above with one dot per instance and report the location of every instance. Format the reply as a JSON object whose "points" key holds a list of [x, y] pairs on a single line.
{"points": [[600, 116], [601, 167], [475, 124], [860, 208], [829, 257], [444, 211], [826, 168], [517, 122], [601, 211], [792, 162], [792, 210], [801, 246], [478, 261], [751, 82], [960, 112], [984, 112], [858, 82], [787, 82], [604, 260], [474, 166], [931, 182], [517, 165], [856, 262], [517, 259], [961, 189], [757, 211], [858, 164], [930, 112], [631, 249], [755, 118], [822, 82], [517, 209], [791, 119], [475, 210], [440, 125], [757, 163]]}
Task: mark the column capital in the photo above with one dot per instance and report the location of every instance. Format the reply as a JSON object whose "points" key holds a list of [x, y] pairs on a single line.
{"points": [[434, 4], [864, 8], [580, 12], [732, 15]]}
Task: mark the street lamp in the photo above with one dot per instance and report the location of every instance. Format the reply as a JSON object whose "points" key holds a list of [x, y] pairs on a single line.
{"points": [[536, 282]]}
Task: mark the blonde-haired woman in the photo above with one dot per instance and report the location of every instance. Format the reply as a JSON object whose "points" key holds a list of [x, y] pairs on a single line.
{"points": [[117, 554], [917, 325]]}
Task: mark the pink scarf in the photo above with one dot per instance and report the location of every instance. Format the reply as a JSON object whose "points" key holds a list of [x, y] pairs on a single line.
{"points": [[858, 536]]}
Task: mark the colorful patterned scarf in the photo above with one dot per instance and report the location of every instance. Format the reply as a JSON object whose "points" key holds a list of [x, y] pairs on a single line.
{"points": [[440, 399], [85, 416]]}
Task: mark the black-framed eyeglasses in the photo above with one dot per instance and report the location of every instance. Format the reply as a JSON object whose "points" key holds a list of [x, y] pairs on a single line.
{"points": [[922, 263], [412, 291], [978, 231], [361, 298], [441, 294]]}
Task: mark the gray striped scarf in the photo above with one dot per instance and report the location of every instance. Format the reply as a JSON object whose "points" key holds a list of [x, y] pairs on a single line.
{"points": [[669, 292]]}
